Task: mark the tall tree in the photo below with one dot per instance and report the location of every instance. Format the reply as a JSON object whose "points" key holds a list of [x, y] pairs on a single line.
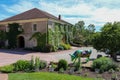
{"points": [[80, 26], [91, 28], [109, 38]]}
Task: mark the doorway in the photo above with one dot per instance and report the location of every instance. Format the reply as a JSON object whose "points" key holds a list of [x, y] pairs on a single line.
{"points": [[21, 42]]}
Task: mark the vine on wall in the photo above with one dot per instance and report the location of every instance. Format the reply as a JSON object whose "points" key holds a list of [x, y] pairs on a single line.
{"points": [[58, 35], [40, 37], [14, 31]]}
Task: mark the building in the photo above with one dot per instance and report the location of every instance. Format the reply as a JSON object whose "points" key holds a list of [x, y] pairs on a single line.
{"points": [[32, 21]]}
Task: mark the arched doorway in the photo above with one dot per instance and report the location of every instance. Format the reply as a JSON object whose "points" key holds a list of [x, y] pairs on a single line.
{"points": [[21, 42]]}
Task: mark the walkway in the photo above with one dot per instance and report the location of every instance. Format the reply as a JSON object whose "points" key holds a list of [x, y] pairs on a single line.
{"points": [[3, 76], [11, 56]]}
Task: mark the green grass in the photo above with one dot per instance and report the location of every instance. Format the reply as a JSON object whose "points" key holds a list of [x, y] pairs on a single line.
{"points": [[45, 76]]}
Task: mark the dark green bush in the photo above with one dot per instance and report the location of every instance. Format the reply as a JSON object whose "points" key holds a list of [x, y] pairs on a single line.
{"points": [[38, 48], [49, 48], [22, 65], [103, 64], [65, 46], [43, 64], [60, 47], [7, 69], [62, 64], [46, 48]]}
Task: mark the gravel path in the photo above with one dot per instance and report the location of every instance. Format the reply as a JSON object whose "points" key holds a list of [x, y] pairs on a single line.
{"points": [[3, 76], [11, 56]]}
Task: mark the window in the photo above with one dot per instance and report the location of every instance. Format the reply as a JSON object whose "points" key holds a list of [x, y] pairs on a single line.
{"points": [[34, 27], [7, 28], [20, 28]]}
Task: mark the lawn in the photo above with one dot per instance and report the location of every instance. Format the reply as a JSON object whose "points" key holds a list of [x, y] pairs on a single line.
{"points": [[45, 76]]}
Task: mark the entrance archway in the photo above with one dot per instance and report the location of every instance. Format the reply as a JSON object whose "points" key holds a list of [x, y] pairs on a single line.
{"points": [[21, 42]]}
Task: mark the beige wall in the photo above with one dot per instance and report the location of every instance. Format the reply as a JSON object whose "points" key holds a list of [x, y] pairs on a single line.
{"points": [[27, 28], [28, 31], [2, 27], [42, 26]]}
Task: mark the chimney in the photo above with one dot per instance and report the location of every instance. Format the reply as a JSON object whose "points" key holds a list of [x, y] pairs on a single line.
{"points": [[59, 17]]}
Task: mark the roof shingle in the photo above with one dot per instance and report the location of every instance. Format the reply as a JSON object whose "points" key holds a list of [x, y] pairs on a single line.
{"points": [[31, 14]]}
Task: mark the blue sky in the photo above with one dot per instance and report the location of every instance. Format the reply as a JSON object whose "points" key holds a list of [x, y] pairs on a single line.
{"points": [[96, 12]]}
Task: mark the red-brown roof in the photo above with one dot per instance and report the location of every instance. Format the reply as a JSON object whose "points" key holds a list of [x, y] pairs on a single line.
{"points": [[31, 14]]}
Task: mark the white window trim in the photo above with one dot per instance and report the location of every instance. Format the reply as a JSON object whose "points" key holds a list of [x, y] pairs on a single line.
{"points": [[6, 29]]}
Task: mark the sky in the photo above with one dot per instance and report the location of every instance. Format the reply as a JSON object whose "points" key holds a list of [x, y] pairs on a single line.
{"points": [[96, 12]]}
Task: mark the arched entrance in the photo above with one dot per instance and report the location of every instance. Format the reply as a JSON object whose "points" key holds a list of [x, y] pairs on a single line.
{"points": [[21, 42]]}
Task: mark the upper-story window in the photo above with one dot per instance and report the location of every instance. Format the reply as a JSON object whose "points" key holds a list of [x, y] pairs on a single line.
{"points": [[34, 27], [7, 28], [20, 28]]}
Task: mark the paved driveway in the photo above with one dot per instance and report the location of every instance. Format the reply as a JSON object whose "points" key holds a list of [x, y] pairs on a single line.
{"points": [[11, 56]]}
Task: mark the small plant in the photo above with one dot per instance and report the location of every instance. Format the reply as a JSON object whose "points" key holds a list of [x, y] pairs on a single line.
{"points": [[7, 69], [61, 70], [43, 64], [22, 65], [71, 70], [111, 71], [52, 67], [32, 65], [114, 77], [37, 63], [65, 46], [86, 74], [78, 65], [62, 64]]}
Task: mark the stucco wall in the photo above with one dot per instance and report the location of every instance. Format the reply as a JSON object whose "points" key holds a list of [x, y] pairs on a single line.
{"points": [[28, 32], [2, 27], [42, 26]]}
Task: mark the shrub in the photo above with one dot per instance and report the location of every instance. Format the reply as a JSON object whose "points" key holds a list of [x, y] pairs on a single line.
{"points": [[38, 48], [49, 48], [37, 63], [65, 46], [7, 69], [62, 64], [46, 48], [61, 70], [104, 64], [60, 48], [43, 64], [22, 65], [32, 65]]}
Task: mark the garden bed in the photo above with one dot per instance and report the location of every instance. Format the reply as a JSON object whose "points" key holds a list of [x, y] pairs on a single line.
{"points": [[102, 68]]}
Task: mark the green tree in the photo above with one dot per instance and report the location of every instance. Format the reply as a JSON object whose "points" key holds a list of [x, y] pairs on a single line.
{"points": [[109, 38], [80, 26], [89, 34], [91, 28]]}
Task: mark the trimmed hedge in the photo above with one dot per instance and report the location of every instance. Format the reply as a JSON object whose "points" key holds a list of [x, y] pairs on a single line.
{"points": [[104, 64], [62, 64], [7, 69], [22, 65]]}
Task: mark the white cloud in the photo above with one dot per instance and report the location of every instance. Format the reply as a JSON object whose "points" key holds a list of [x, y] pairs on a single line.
{"points": [[18, 8], [96, 12]]}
